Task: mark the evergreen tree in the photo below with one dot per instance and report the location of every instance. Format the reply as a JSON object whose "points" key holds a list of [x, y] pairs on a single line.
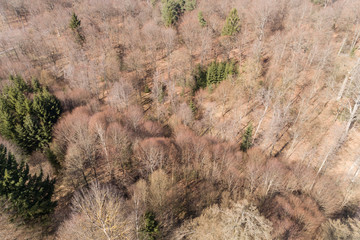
{"points": [[28, 122], [35, 84], [75, 25], [151, 226], [214, 74], [199, 75], [47, 107], [202, 20], [74, 22], [220, 72], [211, 77], [171, 12], [7, 123], [189, 5], [19, 83], [27, 134], [232, 24], [29, 195], [247, 139], [229, 69]]}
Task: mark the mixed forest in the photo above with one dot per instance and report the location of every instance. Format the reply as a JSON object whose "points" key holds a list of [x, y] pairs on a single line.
{"points": [[179, 119]]}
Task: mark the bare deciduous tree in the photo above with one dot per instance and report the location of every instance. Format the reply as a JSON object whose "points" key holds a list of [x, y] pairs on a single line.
{"points": [[241, 221], [97, 213], [120, 94]]}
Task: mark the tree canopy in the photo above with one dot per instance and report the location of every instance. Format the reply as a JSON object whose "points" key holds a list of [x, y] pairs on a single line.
{"points": [[29, 195], [232, 24], [27, 114]]}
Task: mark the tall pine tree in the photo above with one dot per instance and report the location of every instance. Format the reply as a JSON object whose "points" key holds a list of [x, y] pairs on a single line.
{"points": [[247, 139], [28, 122], [232, 24], [75, 22], [29, 195], [202, 20]]}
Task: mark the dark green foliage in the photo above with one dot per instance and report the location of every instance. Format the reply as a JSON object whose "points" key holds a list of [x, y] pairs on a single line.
{"points": [[214, 74], [75, 25], [151, 226], [28, 122], [74, 22], [51, 156], [147, 89], [193, 107], [232, 24], [36, 86], [202, 20], [173, 9], [29, 195], [247, 139], [217, 72], [199, 75], [171, 12]]}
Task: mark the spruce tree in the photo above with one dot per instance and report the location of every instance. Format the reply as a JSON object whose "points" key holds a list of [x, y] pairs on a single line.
{"points": [[247, 139], [229, 69], [212, 77], [232, 24], [199, 75], [151, 226], [220, 72], [47, 107], [74, 22], [202, 20], [28, 122], [171, 12], [29, 196]]}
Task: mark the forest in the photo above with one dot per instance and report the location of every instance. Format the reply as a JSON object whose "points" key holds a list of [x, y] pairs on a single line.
{"points": [[179, 119]]}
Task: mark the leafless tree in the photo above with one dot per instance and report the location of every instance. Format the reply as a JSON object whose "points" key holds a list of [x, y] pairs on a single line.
{"points": [[139, 200], [97, 213], [121, 94], [152, 153], [241, 221], [169, 38]]}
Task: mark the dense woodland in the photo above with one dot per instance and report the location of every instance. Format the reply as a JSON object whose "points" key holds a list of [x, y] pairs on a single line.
{"points": [[179, 119]]}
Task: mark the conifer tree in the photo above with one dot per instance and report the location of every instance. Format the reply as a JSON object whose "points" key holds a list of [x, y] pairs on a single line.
{"points": [[211, 76], [28, 122], [47, 107], [229, 69], [151, 226], [27, 134], [202, 20], [171, 12], [232, 24], [35, 84], [29, 195], [247, 139], [74, 22], [220, 72], [189, 5]]}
